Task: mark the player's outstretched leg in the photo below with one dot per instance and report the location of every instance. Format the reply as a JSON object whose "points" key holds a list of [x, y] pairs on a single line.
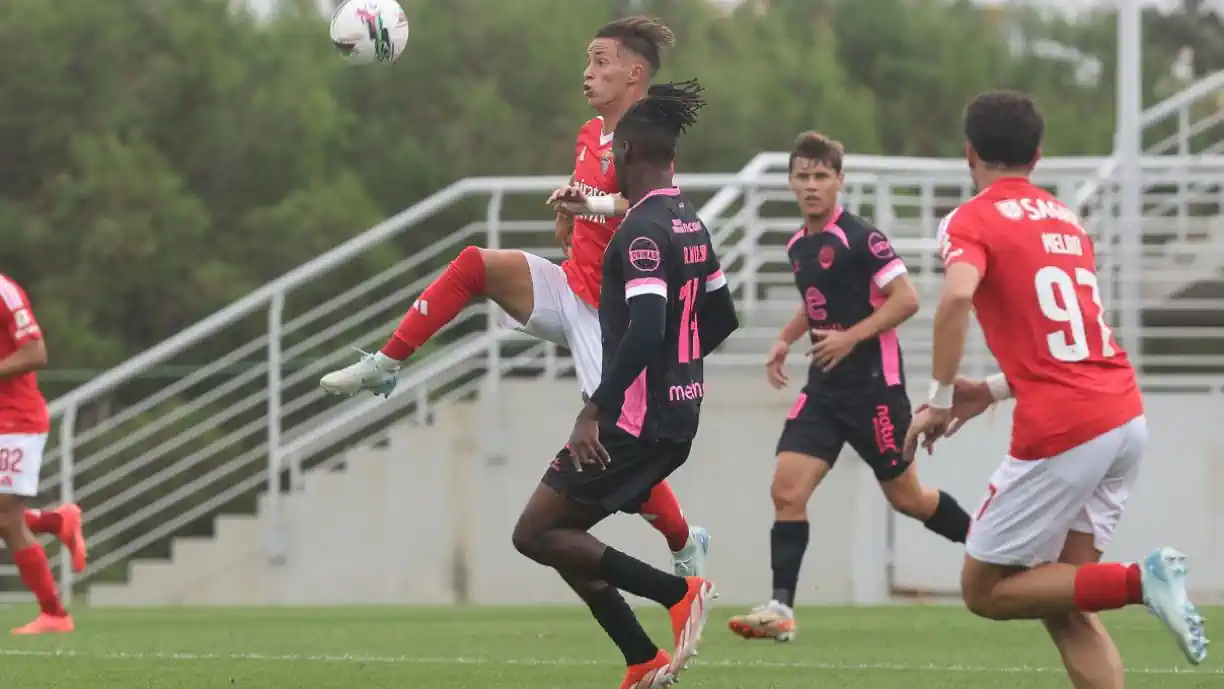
{"points": [[503, 276], [1159, 582], [65, 523], [796, 476], [689, 544], [553, 532], [938, 511], [34, 569]]}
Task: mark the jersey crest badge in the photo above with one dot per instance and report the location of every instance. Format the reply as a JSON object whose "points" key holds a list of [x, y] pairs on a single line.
{"points": [[825, 256], [605, 161], [1010, 209]]}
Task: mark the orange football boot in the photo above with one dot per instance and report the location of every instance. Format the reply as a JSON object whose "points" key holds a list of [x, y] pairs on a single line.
{"points": [[688, 618], [652, 674], [46, 624], [72, 535]]}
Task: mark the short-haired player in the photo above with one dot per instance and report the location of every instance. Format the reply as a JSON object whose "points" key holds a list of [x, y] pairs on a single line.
{"points": [[854, 291], [556, 303], [665, 305], [1022, 261]]}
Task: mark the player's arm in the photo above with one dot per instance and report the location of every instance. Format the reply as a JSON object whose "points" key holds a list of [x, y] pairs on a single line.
{"points": [[964, 258], [796, 327], [900, 303], [609, 205], [30, 354], [646, 295], [890, 276], [717, 319]]}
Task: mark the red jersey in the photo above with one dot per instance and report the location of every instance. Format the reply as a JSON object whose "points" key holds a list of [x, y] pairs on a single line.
{"points": [[22, 407], [595, 175], [1040, 310]]}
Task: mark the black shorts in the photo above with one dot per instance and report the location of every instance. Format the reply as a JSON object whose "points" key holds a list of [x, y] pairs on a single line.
{"points": [[637, 466], [874, 423]]}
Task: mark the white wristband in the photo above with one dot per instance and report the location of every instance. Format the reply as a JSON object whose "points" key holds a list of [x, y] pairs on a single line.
{"points": [[601, 205], [999, 388], [941, 395]]}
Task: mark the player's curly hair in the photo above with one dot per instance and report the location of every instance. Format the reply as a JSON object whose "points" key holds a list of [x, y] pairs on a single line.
{"points": [[672, 106], [653, 124], [1005, 128], [643, 36]]}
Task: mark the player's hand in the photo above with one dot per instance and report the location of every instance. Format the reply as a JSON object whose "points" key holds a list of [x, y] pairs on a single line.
{"points": [[969, 399], [775, 364], [831, 347], [928, 426], [568, 201], [584, 445]]}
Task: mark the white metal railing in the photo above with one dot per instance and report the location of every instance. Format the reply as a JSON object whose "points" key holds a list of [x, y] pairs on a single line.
{"points": [[149, 460], [160, 457], [1179, 106]]}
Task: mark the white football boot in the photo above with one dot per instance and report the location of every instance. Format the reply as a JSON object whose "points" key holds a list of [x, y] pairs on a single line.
{"points": [[690, 561], [1164, 593], [372, 372]]}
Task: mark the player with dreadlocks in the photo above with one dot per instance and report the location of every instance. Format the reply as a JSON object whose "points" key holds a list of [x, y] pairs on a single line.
{"points": [[665, 304], [557, 303]]}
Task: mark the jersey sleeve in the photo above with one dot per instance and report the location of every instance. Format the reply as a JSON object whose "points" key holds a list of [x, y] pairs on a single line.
{"points": [[715, 279], [960, 241], [882, 260], [19, 323], [641, 245]]}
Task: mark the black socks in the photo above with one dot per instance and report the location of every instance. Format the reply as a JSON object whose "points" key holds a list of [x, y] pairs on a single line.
{"points": [[631, 574], [949, 520], [622, 626], [788, 541]]}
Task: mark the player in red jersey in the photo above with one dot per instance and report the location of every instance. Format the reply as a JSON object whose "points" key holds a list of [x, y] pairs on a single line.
{"points": [[1021, 260], [556, 303], [24, 425]]}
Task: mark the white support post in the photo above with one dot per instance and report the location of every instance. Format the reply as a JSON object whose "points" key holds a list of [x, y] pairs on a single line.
{"points": [[1129, 153], [67, 440], [276, 539], [493, 449]]}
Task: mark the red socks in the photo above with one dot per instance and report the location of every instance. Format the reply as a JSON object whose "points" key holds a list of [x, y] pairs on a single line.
{"points": [[1107, 586], [462, 281], [41, 522], [662, 510], [36, 575]]}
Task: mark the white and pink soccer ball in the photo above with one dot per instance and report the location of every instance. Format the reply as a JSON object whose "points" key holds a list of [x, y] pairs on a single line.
{"points": [[370, 31]]}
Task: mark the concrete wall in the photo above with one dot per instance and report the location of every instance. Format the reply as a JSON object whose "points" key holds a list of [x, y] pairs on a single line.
{"points": [[403, 524]]}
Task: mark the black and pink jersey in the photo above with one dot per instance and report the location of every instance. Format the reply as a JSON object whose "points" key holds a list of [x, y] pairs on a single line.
{"points": [[663, 249], [841, 271]]}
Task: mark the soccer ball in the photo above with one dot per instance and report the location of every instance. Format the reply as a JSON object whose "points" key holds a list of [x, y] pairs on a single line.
{"points": [[368, 31]]}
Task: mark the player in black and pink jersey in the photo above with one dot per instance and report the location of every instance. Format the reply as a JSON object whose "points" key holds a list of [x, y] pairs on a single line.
{"points": [[854, 292], [665, 305]]}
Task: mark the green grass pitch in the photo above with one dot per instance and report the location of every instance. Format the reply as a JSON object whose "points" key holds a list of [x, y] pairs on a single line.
{"points": [[898, 647]]}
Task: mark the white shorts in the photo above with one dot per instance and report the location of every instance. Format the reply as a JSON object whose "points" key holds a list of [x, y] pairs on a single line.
{"points": [[560, 316], [21, 458], [1031, 506]]}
